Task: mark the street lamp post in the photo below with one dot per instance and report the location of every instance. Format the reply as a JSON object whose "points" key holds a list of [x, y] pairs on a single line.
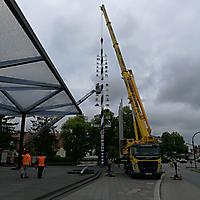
{"points": [[194, 151]]}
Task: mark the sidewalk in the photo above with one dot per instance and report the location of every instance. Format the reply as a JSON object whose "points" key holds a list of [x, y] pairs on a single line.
{"points": [[55, 177], [191, 167]]}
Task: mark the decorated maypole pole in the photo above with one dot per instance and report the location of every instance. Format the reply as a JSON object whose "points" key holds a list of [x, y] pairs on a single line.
{"points": [[101, 74]]}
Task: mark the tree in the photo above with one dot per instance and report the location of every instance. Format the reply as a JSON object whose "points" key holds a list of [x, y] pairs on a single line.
{"points": [[128, 122], [75, 138], [179, 143], [7, 128], [44, 142], [172, 143], [94, 138], [111, 136], [167, 143]]}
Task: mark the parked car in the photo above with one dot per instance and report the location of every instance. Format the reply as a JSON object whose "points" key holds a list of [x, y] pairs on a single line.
{"points": [[183, 160], [198, 159]]}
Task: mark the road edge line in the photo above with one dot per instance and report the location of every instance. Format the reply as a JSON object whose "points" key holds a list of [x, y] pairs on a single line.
{"points": [[157, 189]]}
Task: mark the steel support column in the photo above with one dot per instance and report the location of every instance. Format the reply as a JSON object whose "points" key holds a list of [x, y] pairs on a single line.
{"points": [[21, 141]]}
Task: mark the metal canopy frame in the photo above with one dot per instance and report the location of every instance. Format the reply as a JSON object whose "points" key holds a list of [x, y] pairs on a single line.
{"points": [[28, 84], [11, 86]]}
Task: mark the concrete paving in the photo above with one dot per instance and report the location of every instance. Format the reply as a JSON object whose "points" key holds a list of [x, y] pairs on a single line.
{"points": [[120, 187], [187, 188], [12, 187]]}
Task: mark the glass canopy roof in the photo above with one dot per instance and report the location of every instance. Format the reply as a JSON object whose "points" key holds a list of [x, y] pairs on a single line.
{"points": [[29, 82]]}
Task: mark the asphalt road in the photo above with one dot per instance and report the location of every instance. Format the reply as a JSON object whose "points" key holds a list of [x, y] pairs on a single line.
{"points": [[120, 187], [186, 189], [190, 176]]}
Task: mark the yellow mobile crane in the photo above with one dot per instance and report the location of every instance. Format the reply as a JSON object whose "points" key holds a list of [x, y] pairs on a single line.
{"points": [[142, 153]]}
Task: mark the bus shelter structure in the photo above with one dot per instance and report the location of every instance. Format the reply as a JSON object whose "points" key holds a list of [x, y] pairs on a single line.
{"points": [[30, 85]]}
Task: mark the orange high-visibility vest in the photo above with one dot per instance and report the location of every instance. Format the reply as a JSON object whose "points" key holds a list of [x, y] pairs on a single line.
{"points": [[27, 160], [41, 161]]}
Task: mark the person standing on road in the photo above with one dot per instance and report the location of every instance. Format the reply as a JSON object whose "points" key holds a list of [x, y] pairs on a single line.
{"points": [[26, 162], [109, 165], [109, 170], [175, 167], [41, 163]]}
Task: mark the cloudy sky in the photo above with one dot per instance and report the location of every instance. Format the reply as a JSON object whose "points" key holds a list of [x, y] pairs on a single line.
{"points": [[159, 40]]}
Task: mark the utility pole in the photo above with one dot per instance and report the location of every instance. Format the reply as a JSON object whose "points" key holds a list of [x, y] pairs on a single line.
{"points": [[23, 121], [121, 127]]}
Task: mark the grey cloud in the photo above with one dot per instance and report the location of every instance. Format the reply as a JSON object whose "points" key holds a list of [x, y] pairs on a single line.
{"points": [[181, 82], [178, 117], [159, 41]]}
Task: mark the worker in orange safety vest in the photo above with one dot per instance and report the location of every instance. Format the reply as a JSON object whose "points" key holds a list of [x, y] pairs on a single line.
{"points": [[26, 162], [41, 163]]}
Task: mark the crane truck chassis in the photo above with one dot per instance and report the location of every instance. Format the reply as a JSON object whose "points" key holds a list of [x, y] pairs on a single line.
{"points": [[141, 159], [141, 154]]}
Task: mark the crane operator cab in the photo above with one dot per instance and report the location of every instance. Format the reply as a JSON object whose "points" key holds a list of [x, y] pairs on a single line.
{"points": [[144, 159]]}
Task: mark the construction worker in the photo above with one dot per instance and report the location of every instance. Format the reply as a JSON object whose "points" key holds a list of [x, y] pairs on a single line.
{"points": [[41, 163], [26, 162]]}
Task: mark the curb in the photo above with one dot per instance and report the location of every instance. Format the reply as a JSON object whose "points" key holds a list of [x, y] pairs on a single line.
{"points": [[195, 170], [157, 189], [68, 188]]}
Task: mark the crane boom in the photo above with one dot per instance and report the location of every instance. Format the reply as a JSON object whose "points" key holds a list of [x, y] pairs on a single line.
{"points": [[141, 154], [141, 120]]}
